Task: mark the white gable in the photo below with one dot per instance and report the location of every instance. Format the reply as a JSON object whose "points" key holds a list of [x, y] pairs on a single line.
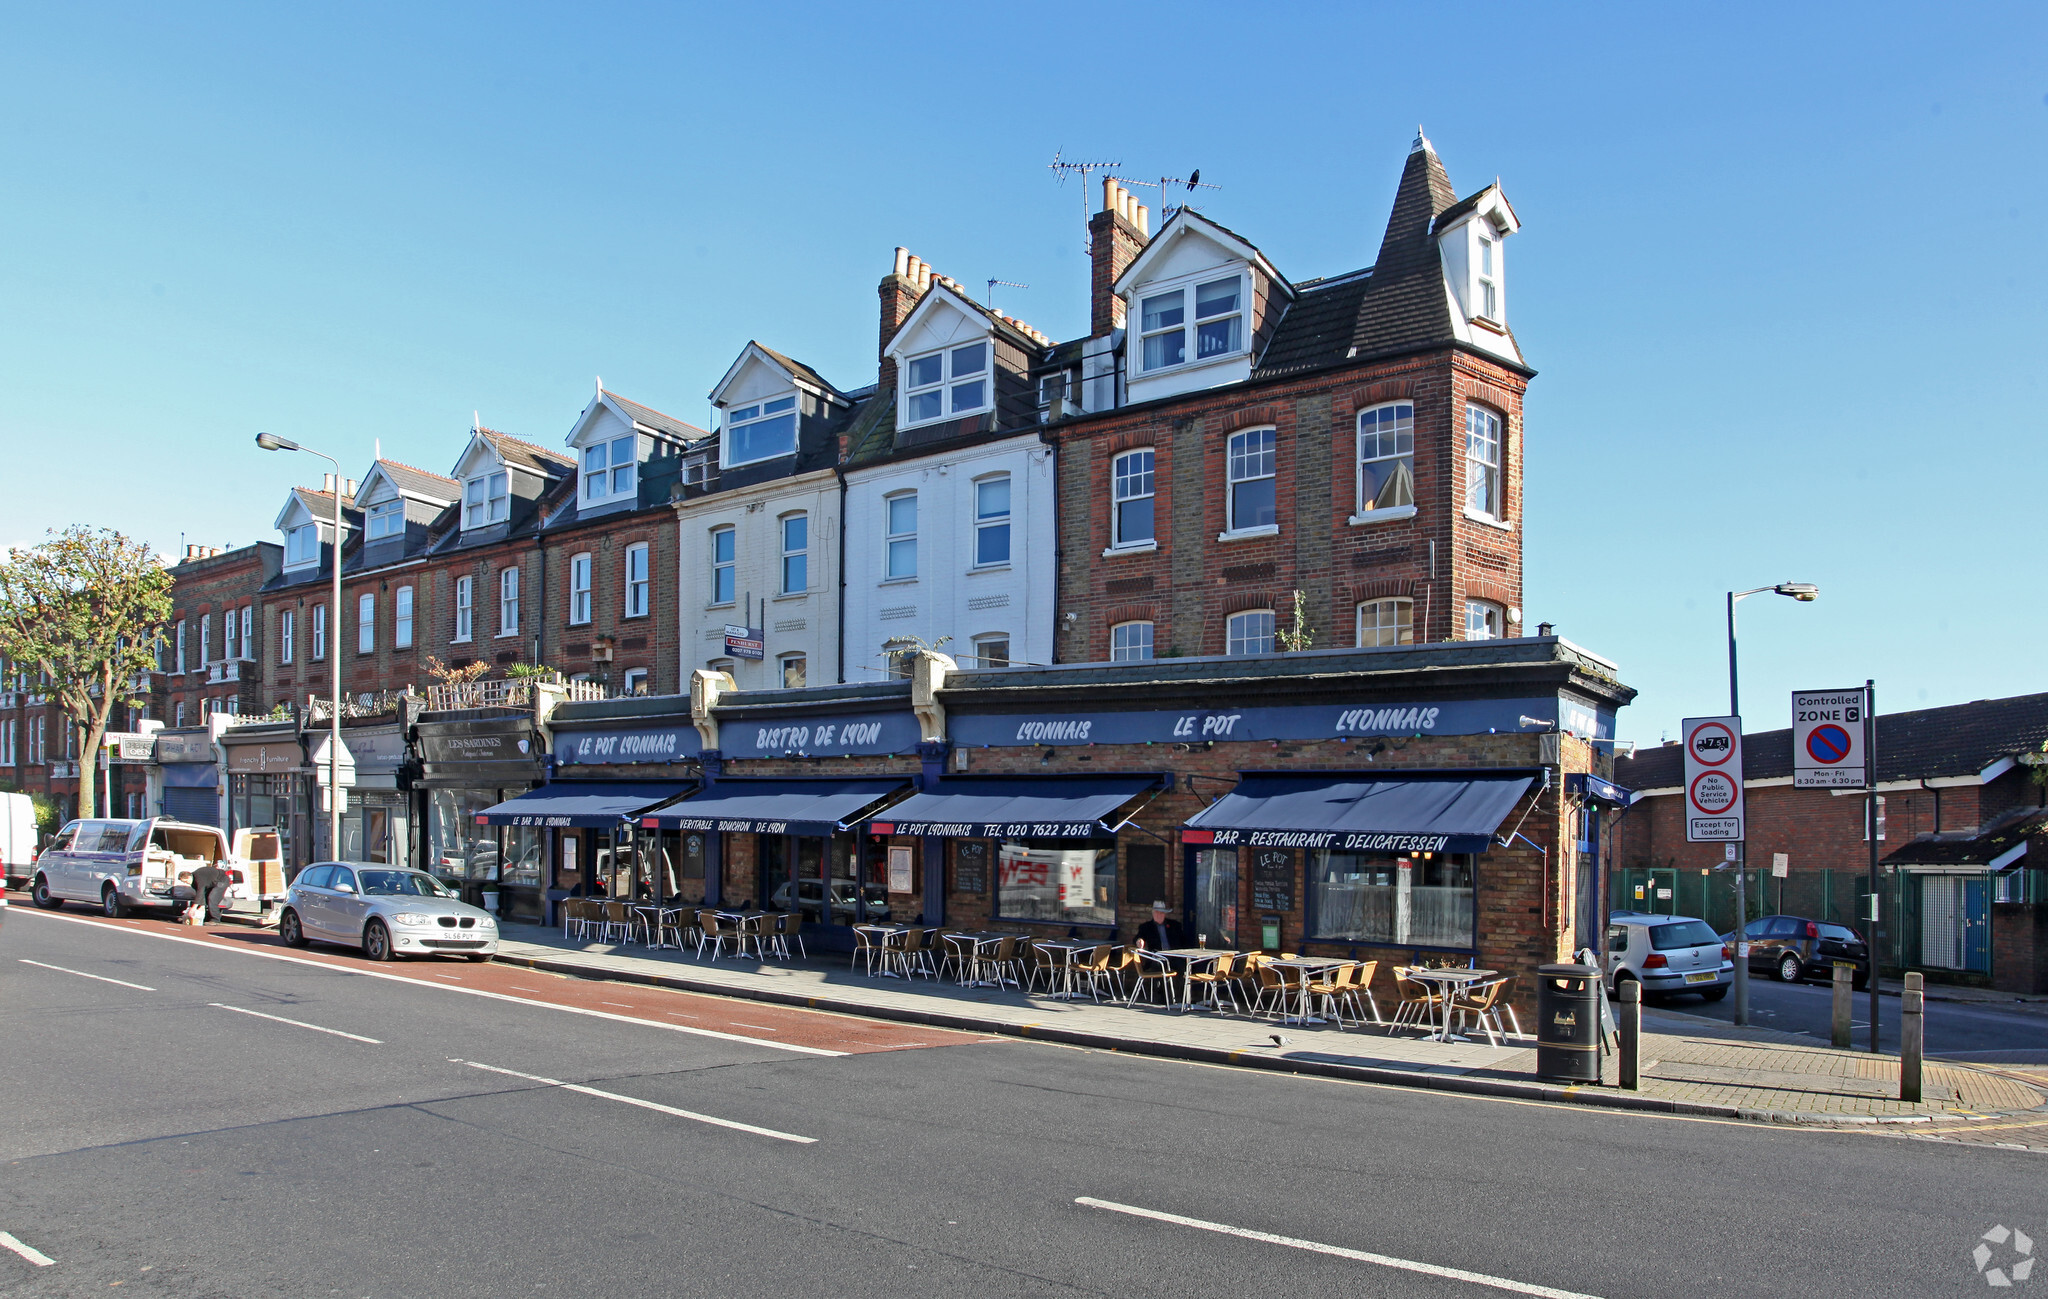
{"points": [[941, 320], [1189, 255], [477, 458], [377, 487], [600, 423], [754, 376], [296, 515], [1191, 243]]}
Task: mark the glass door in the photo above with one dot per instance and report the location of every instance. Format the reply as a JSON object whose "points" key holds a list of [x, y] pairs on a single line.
{"points": [[778, 892], [1216, 896]]}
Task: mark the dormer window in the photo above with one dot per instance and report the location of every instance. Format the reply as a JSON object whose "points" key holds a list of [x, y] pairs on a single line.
{"points": [[1489, 277], [609, 468], [1218, 323], [760, 432], [387, 519], [946, 384], [302, 545], [487, 500]]}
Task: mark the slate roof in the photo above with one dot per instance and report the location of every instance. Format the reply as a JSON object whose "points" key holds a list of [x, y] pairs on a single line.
{"points": [[1973, 847], [1407, 305], [1461, 207], [654, 419], [799, 369], [872, 431], [321, 504], [419, 482], [526, 455], [1318, 326], [1959, 740]]}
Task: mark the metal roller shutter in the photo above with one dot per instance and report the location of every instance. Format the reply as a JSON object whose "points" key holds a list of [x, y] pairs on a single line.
{"points": [[198, 806]]}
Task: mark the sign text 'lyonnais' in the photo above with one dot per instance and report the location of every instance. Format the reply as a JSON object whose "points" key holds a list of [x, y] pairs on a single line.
{"points": [[1304, 722], [1334, 839]]}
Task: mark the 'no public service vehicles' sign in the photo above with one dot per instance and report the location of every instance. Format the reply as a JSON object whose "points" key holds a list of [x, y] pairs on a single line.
{"points": [[1713, 779], [1827, 739]]}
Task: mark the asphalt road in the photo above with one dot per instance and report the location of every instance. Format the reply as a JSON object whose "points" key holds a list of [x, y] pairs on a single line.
{"points": [[167, 1140], [1964, 1030]]}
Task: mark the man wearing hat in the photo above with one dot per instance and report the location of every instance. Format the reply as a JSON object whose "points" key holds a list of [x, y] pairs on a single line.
{"points": [[1160, 934]]}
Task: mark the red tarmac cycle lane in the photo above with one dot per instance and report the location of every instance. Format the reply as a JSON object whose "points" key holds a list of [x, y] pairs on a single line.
{"points": [[824, 1030]]}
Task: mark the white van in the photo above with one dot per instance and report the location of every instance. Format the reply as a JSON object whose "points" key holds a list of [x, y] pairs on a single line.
{"points": [[121, 865], [17, 838]]}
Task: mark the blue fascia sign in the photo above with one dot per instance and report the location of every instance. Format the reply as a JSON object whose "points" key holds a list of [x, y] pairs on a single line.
{"points": [[1301, 722], [626, 746], [825, 735]]}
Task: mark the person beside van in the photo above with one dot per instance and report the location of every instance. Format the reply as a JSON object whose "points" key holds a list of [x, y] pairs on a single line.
{"points": [[210, 885]]}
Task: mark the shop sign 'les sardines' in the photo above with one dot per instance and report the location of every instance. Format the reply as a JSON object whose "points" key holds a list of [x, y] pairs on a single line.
{"points": [[1318, 722]]}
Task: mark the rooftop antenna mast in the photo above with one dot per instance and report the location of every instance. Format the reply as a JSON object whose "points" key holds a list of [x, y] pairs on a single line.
{"points": [[1193, 181], [990, 296], [1062, 168]]}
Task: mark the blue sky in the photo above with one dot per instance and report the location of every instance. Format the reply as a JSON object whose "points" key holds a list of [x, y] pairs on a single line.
{"points": [[1779, 270]]}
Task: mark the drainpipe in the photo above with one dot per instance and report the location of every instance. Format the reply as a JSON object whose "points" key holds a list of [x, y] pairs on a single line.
{"points": [[540, 623], [840, 671]]}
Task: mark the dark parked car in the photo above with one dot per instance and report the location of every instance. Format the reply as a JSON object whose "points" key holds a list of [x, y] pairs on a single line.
{"points": [[1794, 948]]}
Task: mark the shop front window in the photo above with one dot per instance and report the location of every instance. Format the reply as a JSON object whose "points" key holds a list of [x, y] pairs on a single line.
{"points": [[460, 849], [1398, 901], [1216, 895], [1056, 881], [522, 855]]}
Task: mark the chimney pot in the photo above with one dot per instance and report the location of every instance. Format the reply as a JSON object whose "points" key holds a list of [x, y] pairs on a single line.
{"points": [[1144, 219], [327, 482], [1109, 192], [902, 260]]}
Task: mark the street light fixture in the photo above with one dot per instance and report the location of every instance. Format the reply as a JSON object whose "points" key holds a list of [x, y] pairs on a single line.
{"points": [[272, 442], [1805, 593]]}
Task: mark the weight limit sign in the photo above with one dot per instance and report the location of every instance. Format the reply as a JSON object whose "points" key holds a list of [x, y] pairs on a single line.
{"points": [[1713, 779]]}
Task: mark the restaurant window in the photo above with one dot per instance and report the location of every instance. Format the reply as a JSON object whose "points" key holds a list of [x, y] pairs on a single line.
{"points": [[1386, 622], [636, 580], [692, 864], [1216, 895], [1413, 901], [1252, 464], [1056, 881]]}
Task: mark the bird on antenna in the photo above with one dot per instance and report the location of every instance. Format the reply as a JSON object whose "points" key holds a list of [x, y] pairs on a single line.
{"points": [[1194, 178]]}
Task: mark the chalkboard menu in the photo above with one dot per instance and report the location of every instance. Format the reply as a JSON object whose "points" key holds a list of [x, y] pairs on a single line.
{"points": [[1273, 879], [970, 866]]}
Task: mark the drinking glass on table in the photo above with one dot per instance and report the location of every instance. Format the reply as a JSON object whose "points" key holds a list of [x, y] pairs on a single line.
{"points": [[1202, 941]]}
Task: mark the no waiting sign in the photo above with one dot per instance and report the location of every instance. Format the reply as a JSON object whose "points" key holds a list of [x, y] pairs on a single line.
{"points": [[1713, 779], [1827, 739]]}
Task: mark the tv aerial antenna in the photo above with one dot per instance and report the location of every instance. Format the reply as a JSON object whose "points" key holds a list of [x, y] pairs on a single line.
{"points": [[989, 298], [1190, 182], [1061, 168]]}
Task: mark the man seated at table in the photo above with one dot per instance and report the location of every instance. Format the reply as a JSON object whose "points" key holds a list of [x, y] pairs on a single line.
{"points": [[1160, 933]]}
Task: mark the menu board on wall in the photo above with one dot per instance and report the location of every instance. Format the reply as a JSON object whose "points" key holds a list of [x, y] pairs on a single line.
{"points": [[1273, 879], [970, 866]]}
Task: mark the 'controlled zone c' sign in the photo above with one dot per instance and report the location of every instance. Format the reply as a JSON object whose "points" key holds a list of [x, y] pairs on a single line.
{"points": [[1827, 739], [1713, 779]]}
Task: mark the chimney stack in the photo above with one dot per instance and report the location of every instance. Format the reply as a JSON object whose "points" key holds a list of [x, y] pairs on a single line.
{"points": [[1116, 235], [900, 289], [327, 482]]}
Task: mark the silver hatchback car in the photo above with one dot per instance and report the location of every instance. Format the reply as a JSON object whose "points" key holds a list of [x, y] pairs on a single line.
{"points": [[1667, 954], [387, 911]]}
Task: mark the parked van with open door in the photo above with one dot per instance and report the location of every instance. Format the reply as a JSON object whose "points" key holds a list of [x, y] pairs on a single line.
{"points": [[124, 865]]}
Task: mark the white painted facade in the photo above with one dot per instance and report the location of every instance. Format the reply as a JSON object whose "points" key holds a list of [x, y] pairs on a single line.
{"points": [[794, 622], [950, 595]]}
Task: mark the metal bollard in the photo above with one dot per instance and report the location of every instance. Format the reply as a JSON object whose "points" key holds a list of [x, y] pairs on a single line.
{"points": [[1631, 1057], [1912, 1028], [1845, 983]]}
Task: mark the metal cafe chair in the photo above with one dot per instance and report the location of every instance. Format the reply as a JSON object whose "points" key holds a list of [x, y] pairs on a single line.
{"points": [[1153, 972], [1218, 982]]}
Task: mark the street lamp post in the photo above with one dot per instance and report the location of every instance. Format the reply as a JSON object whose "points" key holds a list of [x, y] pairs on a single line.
{"points": [[272, 442], [1805, 593]]}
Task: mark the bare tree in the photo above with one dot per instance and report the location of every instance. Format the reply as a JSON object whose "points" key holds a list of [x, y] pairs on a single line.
{"points": [[84, 610]]}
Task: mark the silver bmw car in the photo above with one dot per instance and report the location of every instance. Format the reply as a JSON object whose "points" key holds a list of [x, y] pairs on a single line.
{"points": [[387, 911]]}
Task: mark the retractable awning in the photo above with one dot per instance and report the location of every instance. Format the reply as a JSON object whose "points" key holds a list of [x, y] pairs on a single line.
{"points": [[1019, 807], [583, 804], [1420, 812], [792, 806]]}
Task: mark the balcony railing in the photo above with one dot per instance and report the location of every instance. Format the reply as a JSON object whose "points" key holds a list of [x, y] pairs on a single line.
{"points": [[223, 671], [64, 770], [379, 703], [511, 692]]}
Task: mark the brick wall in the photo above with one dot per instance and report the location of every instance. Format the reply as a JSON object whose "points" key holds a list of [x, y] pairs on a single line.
{"points": [[1190, 584]]}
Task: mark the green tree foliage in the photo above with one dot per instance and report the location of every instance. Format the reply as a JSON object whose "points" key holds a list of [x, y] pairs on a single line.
{"points": [[83, 611]]}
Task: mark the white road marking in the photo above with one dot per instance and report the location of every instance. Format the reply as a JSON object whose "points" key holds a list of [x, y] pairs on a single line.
{"points": [[647, 1105], [1338, 1251], [296, 1023], [29, 1252], [417, 983], [143, 987], [761, 1027]]}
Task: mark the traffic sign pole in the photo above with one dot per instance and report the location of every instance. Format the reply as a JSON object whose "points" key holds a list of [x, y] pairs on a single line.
{"points": [[1741, 847], [1870, 827]]}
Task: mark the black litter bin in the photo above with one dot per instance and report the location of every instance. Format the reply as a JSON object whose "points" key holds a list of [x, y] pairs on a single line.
{"points": [[1568, 1022]]}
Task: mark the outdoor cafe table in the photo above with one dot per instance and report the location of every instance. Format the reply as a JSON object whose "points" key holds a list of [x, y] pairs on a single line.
{"points": [[879, 934], [748, 924], [1448, 982], [1068, 949], [652, 914], [1188, 958], [1307, 965], [976, 940]]}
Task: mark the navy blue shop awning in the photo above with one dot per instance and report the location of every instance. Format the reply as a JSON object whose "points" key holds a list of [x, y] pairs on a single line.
{"points": [[1018, 807], [791, 806], [1360, 813], [586, 804]]}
